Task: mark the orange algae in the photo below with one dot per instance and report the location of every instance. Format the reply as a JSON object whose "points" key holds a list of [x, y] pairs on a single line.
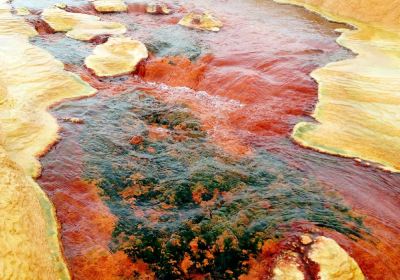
{"points": [[87, 229]]}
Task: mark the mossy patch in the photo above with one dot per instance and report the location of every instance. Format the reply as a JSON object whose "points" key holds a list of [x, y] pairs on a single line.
{"points": [[184, 206]]}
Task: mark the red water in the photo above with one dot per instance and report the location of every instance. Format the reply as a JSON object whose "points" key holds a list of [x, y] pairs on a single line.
{"points": [[249, 88]]}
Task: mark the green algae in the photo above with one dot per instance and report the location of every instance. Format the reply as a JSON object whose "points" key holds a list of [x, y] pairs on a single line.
{"points": [[171, 191], [67, 50], [174, 41]]}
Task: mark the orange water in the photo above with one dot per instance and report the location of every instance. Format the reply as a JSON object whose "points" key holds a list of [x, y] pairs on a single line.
{"points": [[249, 86]]}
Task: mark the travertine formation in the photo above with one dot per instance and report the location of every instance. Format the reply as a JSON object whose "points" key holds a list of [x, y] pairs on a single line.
{"points": [[358, 110], [22, 11], [204, 21], [287, 267], [107, 6], [80, 26], [31, 80], [117, 56], [334, 262]]}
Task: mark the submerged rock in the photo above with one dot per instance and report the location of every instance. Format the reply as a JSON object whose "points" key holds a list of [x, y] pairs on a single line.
{"points": [[204, 21], [80, 26], [67, 50], [174, 41], [108, 6], [117, 56], [74, 120]]}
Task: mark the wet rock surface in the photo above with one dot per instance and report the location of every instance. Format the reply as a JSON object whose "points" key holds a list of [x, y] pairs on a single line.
{"points": [[117, 56], [80, 26], [204, 21]]}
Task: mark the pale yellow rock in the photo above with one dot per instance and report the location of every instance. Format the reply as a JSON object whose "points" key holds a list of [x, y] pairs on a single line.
{"points": [[30, 81], [305, 239], [34, 80], [63, 21], [12, 25], [108, 6], [204, 21], [88, 31], [60, 5], [334, 262], [28, 231], [116, 57], [80, 26], [358, 112], [23, 11], [287, 267]]}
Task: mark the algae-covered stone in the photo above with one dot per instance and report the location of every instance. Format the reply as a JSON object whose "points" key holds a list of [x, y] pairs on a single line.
{"points": [[174, 41], [117, 56], [107, 6], [204, 21], [67, 50]]}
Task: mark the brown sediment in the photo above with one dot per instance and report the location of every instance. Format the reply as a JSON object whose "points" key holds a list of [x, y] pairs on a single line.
{"points": [[358, 98]]}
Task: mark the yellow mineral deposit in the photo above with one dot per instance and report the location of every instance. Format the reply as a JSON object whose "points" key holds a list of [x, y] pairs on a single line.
{"points": [[116, 57], [60, 5], [10, 24], [30, 81], [22, 11], [204, 21], [108, 6], [358, 114], [334, 263], [287, 267], [80, 26]]}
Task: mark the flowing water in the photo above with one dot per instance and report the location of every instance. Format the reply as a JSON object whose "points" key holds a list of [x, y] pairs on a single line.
{"points": [[186, 168]]}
